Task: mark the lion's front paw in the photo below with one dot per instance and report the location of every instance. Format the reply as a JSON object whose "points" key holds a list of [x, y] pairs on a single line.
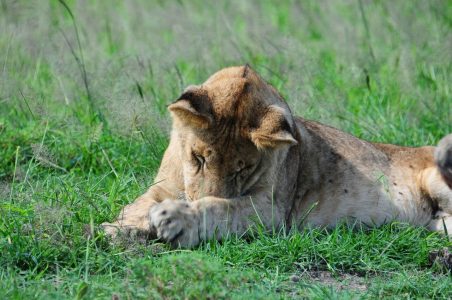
{"points": [[175, 222], [135, 229], [111, 230]]}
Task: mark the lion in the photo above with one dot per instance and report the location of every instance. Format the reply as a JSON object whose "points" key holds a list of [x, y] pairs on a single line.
{"points": [[238, 156]]}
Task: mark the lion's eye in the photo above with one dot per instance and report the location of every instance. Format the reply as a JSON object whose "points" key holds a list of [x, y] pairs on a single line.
{"points": [[199, 159]]}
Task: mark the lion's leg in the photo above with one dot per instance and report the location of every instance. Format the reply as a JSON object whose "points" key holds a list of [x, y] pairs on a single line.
{"points": [[187, 224], [133, 220], [433, 186], [443, 158], [442, 223], [436, 183], [436, 191]]}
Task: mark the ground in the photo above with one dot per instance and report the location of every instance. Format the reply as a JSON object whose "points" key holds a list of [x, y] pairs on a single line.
{"points": [[83, 125]]}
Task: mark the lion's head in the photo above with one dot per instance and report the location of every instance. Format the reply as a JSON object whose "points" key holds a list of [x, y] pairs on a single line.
{"points": [[232, 129]]}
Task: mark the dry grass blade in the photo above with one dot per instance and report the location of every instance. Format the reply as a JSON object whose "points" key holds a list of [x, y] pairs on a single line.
{"points": [[80, 61]]}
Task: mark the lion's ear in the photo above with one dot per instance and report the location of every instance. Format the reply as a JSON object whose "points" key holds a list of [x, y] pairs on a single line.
{"points": [[193, 109], [274, 130]]}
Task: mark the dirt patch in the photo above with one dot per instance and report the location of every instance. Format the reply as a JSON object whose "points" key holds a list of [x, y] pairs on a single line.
{"points": [[338, 281], [441, 259]]}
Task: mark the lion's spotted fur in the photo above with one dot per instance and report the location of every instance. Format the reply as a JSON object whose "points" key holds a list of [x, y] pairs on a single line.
{"points": [[237, 155]]}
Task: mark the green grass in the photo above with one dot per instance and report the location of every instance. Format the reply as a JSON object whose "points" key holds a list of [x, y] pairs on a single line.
{"points": [[69, 159]]}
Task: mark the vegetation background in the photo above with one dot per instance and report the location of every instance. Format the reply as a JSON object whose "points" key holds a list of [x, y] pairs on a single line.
{"points": [[83, 125]]}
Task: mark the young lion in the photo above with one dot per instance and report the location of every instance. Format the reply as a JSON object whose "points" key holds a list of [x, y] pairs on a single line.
{"points": [[238, 156]]}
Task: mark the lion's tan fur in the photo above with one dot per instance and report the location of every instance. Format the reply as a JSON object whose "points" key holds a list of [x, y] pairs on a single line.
{"points": [[237, 156]]}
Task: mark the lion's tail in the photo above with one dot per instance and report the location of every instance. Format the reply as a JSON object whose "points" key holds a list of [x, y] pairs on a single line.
{"points": [[443, 158]]}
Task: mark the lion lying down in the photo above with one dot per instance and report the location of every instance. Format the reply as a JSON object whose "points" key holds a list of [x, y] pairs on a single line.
{"points": [[237, 155]]}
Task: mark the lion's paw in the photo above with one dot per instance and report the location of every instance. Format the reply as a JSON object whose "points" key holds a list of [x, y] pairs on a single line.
{"points": [[175, 222], [137, 231], [111, 230]]}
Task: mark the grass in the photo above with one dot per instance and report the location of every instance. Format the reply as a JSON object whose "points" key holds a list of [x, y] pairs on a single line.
{"points": [[83, 126]]}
